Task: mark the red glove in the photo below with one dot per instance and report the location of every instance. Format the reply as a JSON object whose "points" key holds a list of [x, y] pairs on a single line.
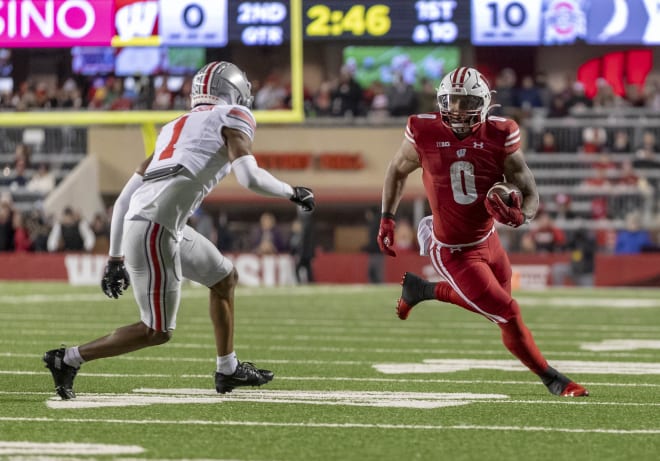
{"points": [[509, 215], [386, 234]]}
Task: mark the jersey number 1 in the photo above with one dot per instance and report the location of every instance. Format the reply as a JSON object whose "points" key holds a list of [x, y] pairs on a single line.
{"points": [[176, 132]]}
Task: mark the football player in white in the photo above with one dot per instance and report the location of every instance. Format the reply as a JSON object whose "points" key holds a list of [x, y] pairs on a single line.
{"points": [[152, 247]]}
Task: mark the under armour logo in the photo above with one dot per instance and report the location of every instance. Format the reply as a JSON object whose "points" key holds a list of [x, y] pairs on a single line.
{"points": [[461, 152], [478, 145]]}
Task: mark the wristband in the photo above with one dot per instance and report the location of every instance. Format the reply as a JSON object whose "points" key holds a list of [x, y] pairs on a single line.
{"points": [[387, 215]]}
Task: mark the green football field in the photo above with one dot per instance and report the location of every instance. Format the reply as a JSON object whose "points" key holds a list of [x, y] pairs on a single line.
{"points": [[352, 381]]}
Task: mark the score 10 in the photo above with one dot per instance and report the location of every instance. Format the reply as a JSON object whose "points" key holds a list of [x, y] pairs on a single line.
{"points": [[358, 20]]}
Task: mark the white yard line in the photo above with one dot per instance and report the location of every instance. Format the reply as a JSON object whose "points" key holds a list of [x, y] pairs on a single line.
{"points": [[320, 425]]}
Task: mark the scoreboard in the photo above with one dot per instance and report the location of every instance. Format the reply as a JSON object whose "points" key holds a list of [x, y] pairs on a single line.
{"points": [[401, 21], [216, 23]]}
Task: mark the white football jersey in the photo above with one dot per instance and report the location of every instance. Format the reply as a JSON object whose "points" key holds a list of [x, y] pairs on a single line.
{"points": [[189, 160]]}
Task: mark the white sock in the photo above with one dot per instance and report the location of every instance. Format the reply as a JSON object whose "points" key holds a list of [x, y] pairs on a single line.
{"points": [[227, 364], [72, 357]]}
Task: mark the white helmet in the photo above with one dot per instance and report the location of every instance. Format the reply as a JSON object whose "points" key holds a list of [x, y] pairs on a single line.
{"points": [[464, 99], [218, 82]]}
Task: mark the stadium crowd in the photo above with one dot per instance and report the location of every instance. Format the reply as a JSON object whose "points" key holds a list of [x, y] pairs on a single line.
{"points": [[343, 97]]}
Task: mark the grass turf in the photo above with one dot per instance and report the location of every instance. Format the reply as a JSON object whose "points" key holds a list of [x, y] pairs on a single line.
{"points": [[328, 401]]}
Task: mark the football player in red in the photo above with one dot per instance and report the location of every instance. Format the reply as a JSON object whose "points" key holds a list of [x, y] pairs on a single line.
{"points": [[462, 152]]}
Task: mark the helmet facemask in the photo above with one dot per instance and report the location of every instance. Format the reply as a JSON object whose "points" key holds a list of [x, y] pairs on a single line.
{"points": [[461, 112]]}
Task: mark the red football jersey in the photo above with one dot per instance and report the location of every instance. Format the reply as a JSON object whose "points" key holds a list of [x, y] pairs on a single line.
{"points": [[458, 173]]}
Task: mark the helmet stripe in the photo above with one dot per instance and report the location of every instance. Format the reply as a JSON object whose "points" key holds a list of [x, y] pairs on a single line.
{"points": [[461, 78], [207, 76]]}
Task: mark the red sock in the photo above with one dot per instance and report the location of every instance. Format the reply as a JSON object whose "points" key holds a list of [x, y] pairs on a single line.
{"points": [[518, 339], [445, 293]]}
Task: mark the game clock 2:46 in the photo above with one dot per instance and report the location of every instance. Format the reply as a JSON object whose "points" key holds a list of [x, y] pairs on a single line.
{"points": [[326, 20]]}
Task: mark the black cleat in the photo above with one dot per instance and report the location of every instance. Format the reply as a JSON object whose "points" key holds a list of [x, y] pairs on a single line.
{"points": [[561, 385], [246, 374], [412, 293], [63, 374]]}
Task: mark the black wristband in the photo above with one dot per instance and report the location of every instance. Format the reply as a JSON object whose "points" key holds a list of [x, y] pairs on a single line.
{"points": [[387, 215]]}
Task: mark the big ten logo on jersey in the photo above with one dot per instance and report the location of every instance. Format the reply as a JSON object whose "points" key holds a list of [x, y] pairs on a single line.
{"points": [[193, 22], [506, 22]]}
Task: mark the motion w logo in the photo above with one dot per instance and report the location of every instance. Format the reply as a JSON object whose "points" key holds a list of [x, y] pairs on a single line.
{"points": [[136, 19]]}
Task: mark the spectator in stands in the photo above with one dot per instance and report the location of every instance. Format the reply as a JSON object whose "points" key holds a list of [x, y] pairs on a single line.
{"points": [[558, 107], [101, 228], [652, 95], [594, 139], [633, 239], [621, 142], [271, 95], [583, 247], [6, 225], [70, 97], [322, 99], [182, 97], [545, 236], [43, 181], [301, 244], [649, 144], [646, 155], [347, 96], [378, 101], [43, 97], [22, 152], [627, 174], [505, 90], [162, 97], [22, 240], [39, 230], [71, 233], [548, 143], [564, 208], [578, 100], [401, 97], [427, 97], [267, 238], [24, 98], [375, 266], [541, 83], [20, 178], [605, 96], [634, 96], [225, 240], [528, 96]]}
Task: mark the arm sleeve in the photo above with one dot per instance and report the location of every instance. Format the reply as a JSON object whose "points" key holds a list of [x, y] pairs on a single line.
{"points": [[258, 180], [119, 211]]}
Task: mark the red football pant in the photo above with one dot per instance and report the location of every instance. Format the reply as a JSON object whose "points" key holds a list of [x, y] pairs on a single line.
{"points": [[479, 280]]}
